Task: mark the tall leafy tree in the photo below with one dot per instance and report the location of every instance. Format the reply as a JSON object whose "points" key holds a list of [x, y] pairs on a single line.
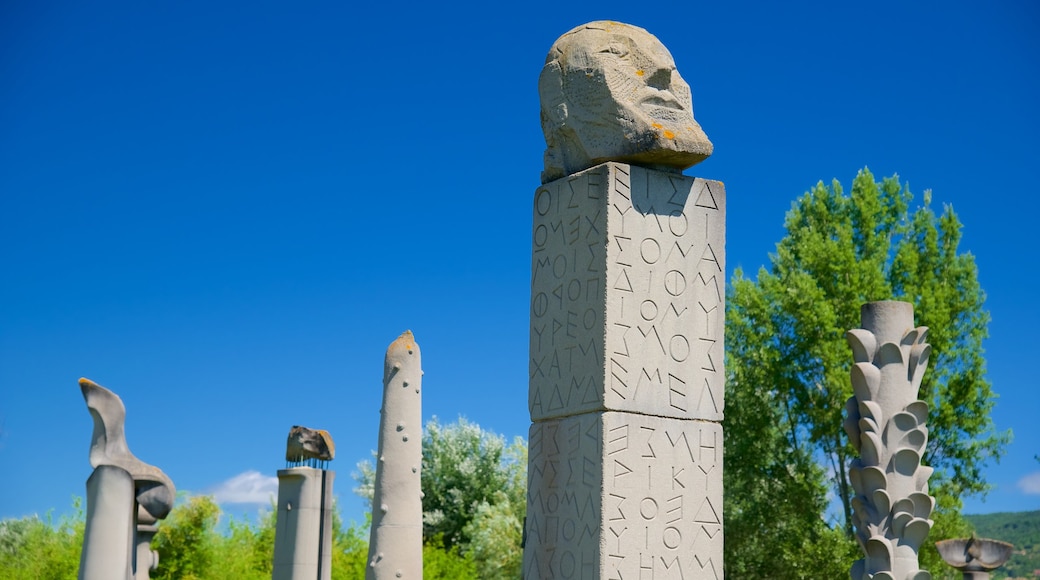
{"points": [[785, 332]]}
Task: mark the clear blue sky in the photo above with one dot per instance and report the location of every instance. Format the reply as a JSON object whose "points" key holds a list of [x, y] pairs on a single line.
{"points": [[225, 212]]}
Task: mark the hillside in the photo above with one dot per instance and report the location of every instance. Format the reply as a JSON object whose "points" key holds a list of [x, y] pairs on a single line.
{"points": [[1019, 528]]}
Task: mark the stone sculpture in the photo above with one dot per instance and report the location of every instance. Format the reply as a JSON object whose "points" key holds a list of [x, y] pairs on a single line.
{"points": [[626, 365], [395, 544], [125, 496], [312, 446], [975, 557], [610, 92], [886, 424], [303, 538]]}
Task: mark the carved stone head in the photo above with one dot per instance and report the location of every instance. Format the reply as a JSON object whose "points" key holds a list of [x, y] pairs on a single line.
{"points": [[610, 92]]}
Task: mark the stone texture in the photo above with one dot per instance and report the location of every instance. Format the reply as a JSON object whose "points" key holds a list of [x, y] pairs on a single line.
{"points": [[627, 295], [395, 544], [623, 495], [309, 444], [303, 538], [887, 426], [610, 92], [146, 559], [626, 377]]}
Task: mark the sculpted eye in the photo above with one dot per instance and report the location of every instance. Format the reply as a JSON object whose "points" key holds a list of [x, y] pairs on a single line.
{"points": [[616, 49]]}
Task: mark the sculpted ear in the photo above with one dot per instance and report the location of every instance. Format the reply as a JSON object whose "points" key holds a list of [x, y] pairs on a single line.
{"points": [[550, 92]]}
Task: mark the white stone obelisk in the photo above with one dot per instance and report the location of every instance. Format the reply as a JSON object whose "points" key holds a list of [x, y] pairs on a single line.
{"points": [[303, 539], [395, 546]]}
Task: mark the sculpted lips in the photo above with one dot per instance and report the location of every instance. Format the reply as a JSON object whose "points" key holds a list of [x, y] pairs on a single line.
{"points": [[659, 98]]}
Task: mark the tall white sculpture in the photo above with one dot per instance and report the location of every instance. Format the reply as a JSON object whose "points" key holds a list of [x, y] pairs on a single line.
{"points": [[626, 365], [125, 496], [886, 424], [395, 545]]}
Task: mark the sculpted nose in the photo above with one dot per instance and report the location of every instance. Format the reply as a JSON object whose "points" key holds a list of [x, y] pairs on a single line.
{"points": [[661, 78]]}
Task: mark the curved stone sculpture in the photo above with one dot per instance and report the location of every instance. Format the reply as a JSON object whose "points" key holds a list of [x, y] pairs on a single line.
{"points": [[125, 496], [886, 424], [610, 92], [395, 546], [975, 557], [154, 490]]}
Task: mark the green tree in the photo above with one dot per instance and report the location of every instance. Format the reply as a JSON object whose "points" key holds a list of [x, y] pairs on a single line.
{"points": [[40, 549], [474, 495], [187, 541], [785, 334]]}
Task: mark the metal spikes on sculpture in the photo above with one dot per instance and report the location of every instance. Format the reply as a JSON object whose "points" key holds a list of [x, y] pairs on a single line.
{"points": [[886, 424]]}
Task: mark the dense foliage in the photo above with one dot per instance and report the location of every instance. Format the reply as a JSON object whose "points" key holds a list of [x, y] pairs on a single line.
{"points": [[474, 495], [788, 365]]}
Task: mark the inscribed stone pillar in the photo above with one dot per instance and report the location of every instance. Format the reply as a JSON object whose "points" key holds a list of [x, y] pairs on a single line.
{"points": [[303, 538], [626, 376]]}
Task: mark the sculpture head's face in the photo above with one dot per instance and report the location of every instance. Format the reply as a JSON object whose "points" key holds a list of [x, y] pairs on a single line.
{"points": [[611, 92]]}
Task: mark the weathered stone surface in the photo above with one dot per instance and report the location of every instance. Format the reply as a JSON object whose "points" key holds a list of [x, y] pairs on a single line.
{"points": [[304, 444], [626, 377], [624, 495], [610, 92], [627, 294], [395, 544], [887, 426]]}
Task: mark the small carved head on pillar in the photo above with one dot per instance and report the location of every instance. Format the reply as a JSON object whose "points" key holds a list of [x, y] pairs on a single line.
{"points": [[610, 92]]}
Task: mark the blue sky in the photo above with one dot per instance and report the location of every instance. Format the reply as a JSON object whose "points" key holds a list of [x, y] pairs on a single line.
{"points": [[225, 213]]}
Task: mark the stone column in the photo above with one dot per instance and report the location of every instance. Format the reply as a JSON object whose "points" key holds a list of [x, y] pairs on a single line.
{"points": [[626, 376], [395, 544], [886, 424], [145, 559], [303, 538], [108, 539]]}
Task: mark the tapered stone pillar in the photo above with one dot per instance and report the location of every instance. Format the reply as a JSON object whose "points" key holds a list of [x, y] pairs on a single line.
{"points": [[886, 423], [395, 544], [303, 538], [145, 559], [108, 539], [626, 377]]}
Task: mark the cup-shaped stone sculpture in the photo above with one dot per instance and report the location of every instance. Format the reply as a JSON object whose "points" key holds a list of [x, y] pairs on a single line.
{"points": [[975, 557], [121, 491], [395, 546], [886, 424]]}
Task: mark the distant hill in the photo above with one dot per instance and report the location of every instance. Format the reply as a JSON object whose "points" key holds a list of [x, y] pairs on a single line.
{"points": [[1019, 528]]}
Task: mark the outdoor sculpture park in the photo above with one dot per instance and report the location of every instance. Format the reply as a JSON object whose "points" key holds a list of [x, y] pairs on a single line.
{"points": [[125, 496], [626, 374], [626, 381]]}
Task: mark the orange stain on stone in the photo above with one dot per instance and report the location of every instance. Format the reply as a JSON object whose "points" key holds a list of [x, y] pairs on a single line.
{"points": [[669, 134], [656, 125], [640, 73]]}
